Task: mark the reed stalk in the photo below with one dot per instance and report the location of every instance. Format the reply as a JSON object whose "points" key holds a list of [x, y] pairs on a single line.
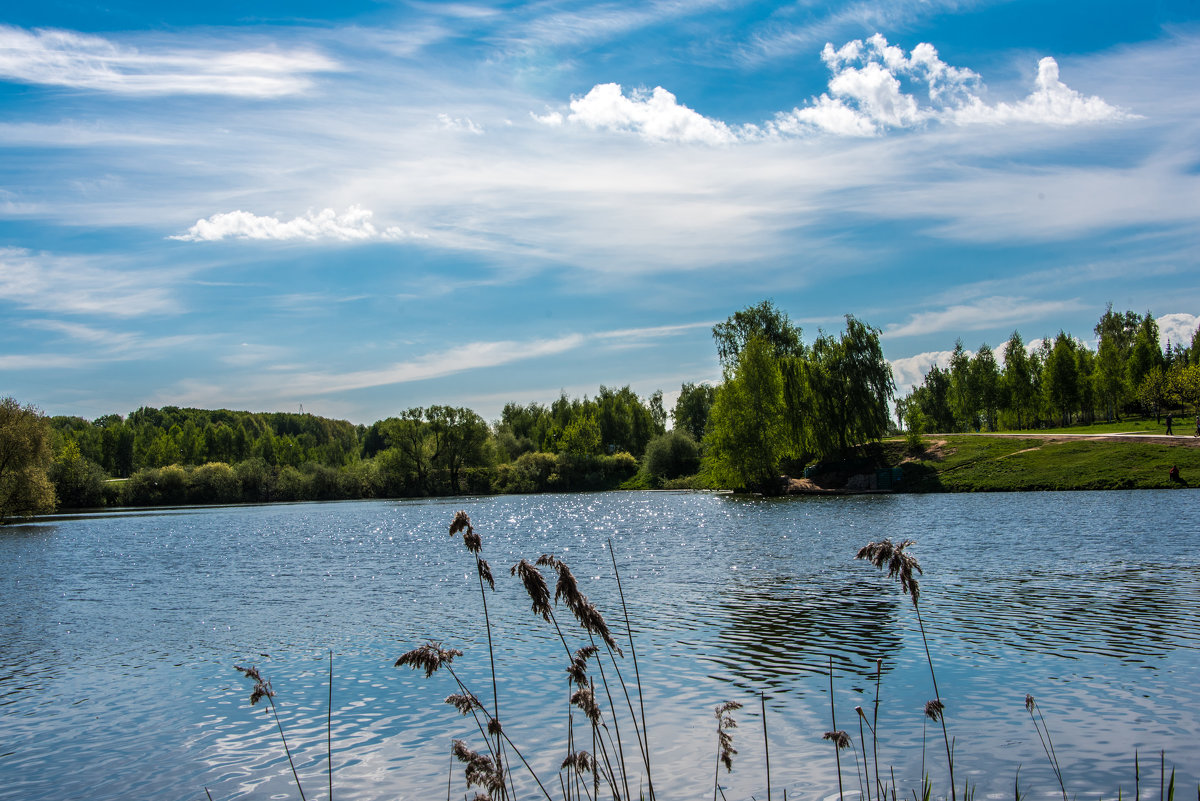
{"points": [[840, 738], [262, 689], [766, 742]]}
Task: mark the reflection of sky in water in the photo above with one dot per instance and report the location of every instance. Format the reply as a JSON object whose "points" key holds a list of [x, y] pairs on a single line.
{"points": [[118, 635]]}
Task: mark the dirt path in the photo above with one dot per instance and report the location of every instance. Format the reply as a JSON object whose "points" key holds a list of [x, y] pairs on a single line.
{"points": [[1129, 436]]}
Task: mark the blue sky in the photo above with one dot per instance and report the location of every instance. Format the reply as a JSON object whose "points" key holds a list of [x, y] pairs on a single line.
{"points": [[258, 205]]}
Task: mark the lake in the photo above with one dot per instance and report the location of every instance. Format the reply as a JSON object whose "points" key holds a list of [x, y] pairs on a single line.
{"points": [[119, 634]]}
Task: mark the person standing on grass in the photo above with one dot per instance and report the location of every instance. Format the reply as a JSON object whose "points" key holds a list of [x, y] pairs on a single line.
{"points": [[1168, 424]]}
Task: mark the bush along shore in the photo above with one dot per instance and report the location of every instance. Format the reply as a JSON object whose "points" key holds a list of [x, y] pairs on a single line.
{"points": [[607, 753]]}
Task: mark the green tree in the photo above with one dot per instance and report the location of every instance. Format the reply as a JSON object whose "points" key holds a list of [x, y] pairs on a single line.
{"points": [[1146, 353], [1155, 391], [932, 398], [850, 385], [582, 437], [460, 437], [1085, 367], [743, 445], [984, 375], [25, 458], [1018, 381], [691, 409], [764, 321], [963, 402], [78, 481], [1061, 378], [672, 455]]}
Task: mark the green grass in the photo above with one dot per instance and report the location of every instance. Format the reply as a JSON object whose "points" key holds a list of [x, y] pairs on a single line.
{"points": [[968, 463]]}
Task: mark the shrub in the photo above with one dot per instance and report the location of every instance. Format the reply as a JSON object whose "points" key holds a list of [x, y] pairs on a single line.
{"points": [[672, 455]]}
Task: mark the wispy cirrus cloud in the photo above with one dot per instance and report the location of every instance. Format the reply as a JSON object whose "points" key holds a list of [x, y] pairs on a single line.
{"points": [[86, 61], [75, 285], [985, 313]]}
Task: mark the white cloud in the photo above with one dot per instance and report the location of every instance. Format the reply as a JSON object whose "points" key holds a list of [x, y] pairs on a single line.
{"points": [[85, 61], [463, 124], [353, 225], [1051, 103], [77, 286], [1177, 328], [910, 371], [656, 116], [991, 312], [866, 97]]}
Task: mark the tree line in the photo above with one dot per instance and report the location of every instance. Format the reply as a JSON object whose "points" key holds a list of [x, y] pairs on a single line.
{"points": [[1060, 382], [782, 404]]}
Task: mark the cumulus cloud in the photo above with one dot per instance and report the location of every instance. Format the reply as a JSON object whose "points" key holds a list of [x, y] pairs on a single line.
{"points": [[1178, 329], [874, 87], [655, 115], [1051, 103], [910, 371], [85, 61], [353, 225]]}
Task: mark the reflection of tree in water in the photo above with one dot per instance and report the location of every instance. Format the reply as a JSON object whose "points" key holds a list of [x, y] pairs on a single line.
{"points": [[786, 629], [1124, 611]]}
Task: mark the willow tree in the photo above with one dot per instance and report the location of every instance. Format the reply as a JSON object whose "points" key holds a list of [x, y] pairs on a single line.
{"points": [[25, 457], [745, 436], [849, 384]]}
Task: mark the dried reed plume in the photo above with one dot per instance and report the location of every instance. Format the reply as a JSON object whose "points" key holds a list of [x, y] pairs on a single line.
{"points": [[428, 657], [585, 699], [580, 761], [578, 667], [934, 709], [725, 749], [899, 564], [725, 722], [462, 523], [481, 770], [567, 590], [464, 702], [485, 570], [840, 738], [262, 687], [535, 585]]}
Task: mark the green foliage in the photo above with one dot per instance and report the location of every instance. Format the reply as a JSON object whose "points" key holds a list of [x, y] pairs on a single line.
{"points": [[1060, 377], [672, 455], [850, 384], [763, 321], [213, 482], [581, 437], [25, 458], [78, 481], [691, 409], [743, 445]]}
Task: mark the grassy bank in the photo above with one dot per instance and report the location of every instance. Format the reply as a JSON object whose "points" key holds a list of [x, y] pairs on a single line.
{"points": [[986, 463]]}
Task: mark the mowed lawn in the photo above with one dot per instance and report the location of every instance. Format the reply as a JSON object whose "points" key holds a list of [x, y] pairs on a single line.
{"points": [[984, 463]]}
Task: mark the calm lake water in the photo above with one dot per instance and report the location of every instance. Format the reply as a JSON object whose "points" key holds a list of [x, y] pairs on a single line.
{"points": [[119, 633]]}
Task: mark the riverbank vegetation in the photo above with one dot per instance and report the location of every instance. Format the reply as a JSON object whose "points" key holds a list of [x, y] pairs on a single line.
{"points": [[782, 405]]}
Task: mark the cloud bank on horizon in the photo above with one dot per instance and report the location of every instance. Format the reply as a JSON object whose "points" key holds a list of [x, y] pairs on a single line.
{"points": [[467, 203]]}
